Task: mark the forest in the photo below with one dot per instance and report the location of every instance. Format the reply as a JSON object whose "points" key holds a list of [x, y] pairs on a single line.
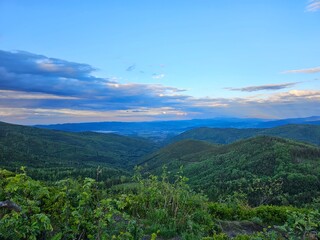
{"points": [[62, 185]]}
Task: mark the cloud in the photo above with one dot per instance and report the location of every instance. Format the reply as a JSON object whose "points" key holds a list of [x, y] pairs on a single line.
{"points": [[313, 6], [45, 115], [296, 95], [306, 70], [158, 76], [21, 62], [37, 89], [131, 68], [291, 96], [264, 87], [8, 94], [30, 74]]}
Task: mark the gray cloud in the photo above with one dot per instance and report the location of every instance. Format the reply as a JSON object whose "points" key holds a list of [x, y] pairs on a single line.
{"points": [[264, 87], [26, 72], [21, 62], [131, 68]]}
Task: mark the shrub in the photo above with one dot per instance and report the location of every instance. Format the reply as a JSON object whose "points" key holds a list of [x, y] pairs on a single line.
{"points": [[172, 207]]}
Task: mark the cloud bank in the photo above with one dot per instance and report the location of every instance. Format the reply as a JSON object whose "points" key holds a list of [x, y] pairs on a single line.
{"points": [[38, 89]]}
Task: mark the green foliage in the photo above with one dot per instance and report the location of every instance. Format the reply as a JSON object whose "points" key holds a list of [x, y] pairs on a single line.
{"points": [[53, 155], [84, 209], [30, 196], [170, 208], [269, 215], [217, 236], [68, 208], [268, 170], [299, 225], [274, 214]]}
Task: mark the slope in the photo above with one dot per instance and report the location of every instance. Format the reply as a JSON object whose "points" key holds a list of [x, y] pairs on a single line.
{"points": [[267, 169], [33, 147], [176, 154]]}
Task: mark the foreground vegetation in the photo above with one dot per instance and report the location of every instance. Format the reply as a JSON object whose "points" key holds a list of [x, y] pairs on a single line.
{"points": [[151, 208]]}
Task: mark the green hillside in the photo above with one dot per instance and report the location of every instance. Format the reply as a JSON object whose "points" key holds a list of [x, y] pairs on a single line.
{"points": [[49, 149], [267, 169], [177, 154], [300, 132]]}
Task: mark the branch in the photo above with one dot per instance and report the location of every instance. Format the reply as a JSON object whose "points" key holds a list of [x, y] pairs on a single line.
{"points": [[10, 205]]}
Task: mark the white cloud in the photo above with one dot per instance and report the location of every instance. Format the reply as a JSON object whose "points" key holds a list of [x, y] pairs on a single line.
{"points": [[313, 6], [158, 76], [8, 94], [284, 97], [306, 70], [267, 87]]}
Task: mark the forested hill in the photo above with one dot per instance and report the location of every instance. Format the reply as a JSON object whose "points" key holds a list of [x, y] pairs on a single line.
{"points": [[34, 147], [299, 132], [288, 171], [177, 154]]}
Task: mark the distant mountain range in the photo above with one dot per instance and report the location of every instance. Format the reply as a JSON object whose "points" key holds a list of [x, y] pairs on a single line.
{"points": [[160, 130], [300, 132]]}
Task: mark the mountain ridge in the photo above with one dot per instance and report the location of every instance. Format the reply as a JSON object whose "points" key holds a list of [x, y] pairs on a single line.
{"points": [[299, 132], [163, 129]]}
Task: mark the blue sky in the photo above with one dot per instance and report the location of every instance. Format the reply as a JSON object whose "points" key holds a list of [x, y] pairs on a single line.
{"points": [[76, 61]]}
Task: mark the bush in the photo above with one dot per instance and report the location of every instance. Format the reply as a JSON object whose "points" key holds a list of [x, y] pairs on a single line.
{"points": [[70, 209], [276, 215], [172, 207]]}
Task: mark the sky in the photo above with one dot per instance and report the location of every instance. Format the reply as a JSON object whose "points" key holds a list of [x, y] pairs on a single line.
{"points": [[142, 60]]}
